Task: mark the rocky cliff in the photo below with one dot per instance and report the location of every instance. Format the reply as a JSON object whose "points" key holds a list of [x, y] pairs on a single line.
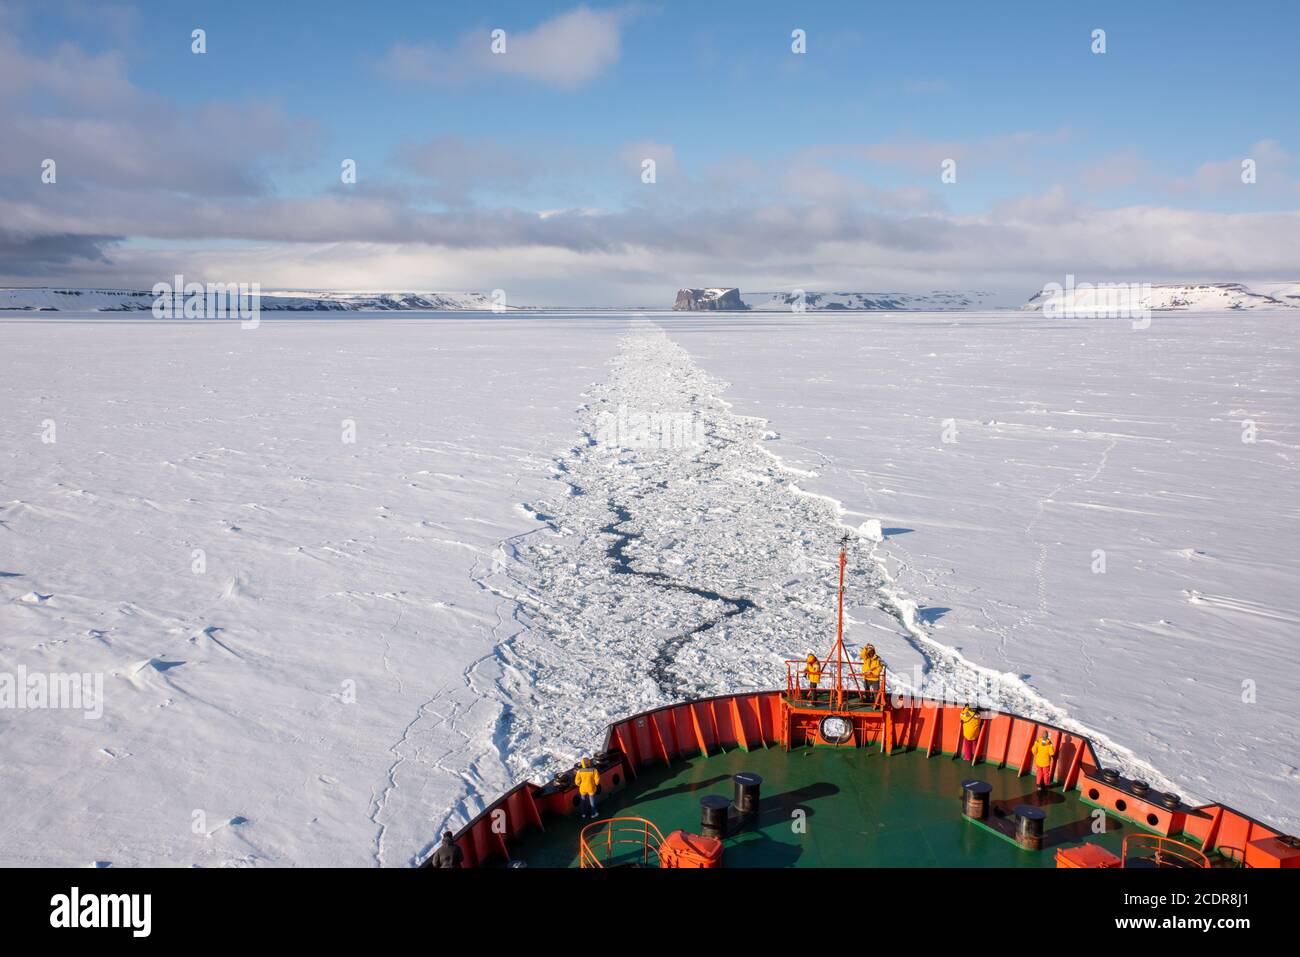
{"points": [[708, 300]]}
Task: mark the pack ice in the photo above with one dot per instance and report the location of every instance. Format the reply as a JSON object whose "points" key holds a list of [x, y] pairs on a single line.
{"points": [[348, 580]]}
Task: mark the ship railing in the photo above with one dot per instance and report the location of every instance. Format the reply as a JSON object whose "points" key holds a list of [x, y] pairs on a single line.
{"points": [[1155, 851], [851, 686], [619, 841]]}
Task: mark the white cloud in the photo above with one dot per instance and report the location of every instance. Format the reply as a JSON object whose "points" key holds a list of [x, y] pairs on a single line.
{"points": [[820, 185], [566, 52], [1215, 176], [189, 204], [106, 131], [636, 256]]}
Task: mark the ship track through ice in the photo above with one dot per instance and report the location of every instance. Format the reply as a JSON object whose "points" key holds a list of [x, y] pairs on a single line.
{"points": [[663, 573]]}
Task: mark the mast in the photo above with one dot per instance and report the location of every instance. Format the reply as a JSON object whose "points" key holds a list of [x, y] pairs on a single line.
{"points": [[839, 630]]}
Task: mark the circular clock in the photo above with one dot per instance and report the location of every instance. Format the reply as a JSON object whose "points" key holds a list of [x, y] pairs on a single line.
{"points": [[836, 730]]}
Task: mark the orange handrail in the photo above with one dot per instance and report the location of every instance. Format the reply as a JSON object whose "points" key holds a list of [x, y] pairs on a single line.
{"points": [[615, 832], [1161, 851], [856, 683]]}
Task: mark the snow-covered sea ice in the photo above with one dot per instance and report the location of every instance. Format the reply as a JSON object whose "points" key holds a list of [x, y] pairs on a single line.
{"points": [[348, 580]]}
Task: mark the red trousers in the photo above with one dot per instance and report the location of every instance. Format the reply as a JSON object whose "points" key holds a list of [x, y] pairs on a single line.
{"points": [[1043, 775]]}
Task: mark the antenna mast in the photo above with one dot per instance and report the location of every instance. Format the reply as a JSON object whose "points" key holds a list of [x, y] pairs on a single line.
{"points": [[839, 628]]}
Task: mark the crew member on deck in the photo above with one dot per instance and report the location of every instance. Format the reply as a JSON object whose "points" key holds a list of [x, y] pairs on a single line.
{"points": [[970, 732], [1044, 751], [871, 669], [813, 670], [587, 779], [448, 854]]}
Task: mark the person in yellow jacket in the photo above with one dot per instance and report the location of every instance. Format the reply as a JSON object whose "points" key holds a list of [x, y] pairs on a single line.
{"points": [[970, 732], [588, 780], [813, 670], [1044, 751], [872, 667]]}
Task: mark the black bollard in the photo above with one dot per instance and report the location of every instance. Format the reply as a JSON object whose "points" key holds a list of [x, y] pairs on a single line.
{"points": [[975, 798], [746, 800], [713, 815], [1029, 826]]}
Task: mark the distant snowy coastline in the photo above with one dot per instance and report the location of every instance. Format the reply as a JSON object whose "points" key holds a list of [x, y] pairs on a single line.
{"points": [[936, 301], [1076, 300], [1087, 299], [65, 299], [1079, 299]]}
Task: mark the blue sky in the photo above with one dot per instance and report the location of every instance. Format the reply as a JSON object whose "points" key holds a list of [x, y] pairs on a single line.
{"points": [[523, 170]]}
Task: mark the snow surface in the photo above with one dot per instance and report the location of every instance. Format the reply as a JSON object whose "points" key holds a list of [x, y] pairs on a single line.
{"points": [[1071, 437], [325, 563], [500, 574]]}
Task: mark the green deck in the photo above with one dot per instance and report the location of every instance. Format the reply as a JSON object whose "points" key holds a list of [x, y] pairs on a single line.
{"points": [[862, 809]]}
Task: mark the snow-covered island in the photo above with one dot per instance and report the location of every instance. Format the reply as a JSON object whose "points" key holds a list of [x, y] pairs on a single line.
{"points": [[1086, 298], [936, 301], [728, 298], [1070, 300], [58, 299], [709, 300]]}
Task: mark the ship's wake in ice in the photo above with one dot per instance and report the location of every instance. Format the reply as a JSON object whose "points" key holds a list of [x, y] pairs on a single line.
{"points": [[333, 648], [680, 558]]}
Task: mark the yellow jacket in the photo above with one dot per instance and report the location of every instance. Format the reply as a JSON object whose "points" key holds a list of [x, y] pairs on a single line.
{"points": [[1043, 753], [871, 666], [814, 672], [970, 724], [587, 779]]}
